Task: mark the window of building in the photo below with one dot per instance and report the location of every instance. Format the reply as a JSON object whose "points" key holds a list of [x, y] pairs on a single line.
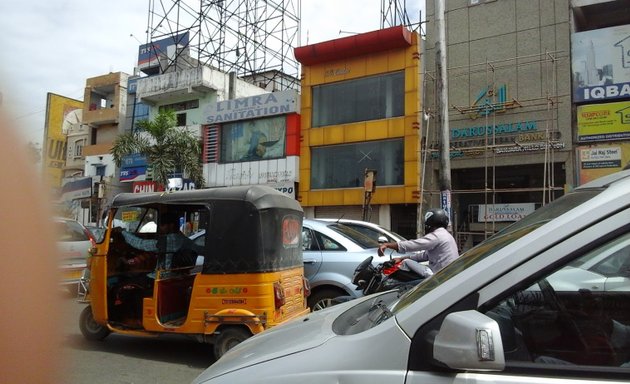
{"points": [[368, 98], [181, 119], [78, 148], [343, 166], [252, 140], [181, 106], [141, 112]]}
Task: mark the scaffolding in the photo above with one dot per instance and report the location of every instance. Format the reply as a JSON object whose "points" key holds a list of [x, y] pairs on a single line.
{"points": [[486, 107], [252, 38]]}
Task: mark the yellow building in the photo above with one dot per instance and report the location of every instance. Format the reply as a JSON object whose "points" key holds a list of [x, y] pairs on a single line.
{"points": [[360, 106]]}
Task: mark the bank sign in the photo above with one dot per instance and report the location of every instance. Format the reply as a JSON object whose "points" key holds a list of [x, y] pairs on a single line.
{"points": [[601, 64]]}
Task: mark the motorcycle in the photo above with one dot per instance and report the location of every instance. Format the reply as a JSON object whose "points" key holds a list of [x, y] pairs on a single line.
{"points": [[384, 276]]}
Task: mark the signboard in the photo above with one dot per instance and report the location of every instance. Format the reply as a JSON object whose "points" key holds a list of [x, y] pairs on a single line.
{"points": [[77, 189], [245, 108], [600, 160], [54, 149], [603, 122], [133, 168], [152, 186], [504, 212], [601, 64], [253, 140], [148, 54]]}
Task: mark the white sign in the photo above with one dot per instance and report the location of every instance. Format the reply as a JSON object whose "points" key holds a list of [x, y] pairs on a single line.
{"points": [[286, 188], [504, 212], [267, 104], [601, 63]]}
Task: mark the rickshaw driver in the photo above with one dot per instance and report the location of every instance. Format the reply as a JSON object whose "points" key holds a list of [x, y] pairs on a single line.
{"points": [[170, 240]]}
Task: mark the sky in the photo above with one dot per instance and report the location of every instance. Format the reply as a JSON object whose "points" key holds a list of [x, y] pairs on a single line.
{"points": [[55, 45]]}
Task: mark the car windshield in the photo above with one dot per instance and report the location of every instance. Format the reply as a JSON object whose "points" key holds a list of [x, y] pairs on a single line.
{"points": [[357, 237], [499, 240]]}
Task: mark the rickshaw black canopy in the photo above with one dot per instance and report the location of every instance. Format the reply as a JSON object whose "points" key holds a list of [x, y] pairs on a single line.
{"points": [[249, 228]]}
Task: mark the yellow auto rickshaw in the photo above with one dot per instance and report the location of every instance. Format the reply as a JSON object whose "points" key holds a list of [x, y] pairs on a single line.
{"points": [[237, 272]]}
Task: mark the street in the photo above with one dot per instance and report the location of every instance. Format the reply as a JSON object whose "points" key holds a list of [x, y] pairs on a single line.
{"points": [[127, 360]]}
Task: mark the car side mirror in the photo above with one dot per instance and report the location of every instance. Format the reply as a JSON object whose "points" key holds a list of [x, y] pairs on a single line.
{"points": [[469, 340], [382, 239]]}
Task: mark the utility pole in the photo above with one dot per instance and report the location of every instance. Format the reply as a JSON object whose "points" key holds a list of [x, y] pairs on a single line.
{"points": [[442, 109]]}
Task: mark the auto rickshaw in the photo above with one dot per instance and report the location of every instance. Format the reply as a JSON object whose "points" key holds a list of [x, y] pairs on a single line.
{"points": [[243, 275]]}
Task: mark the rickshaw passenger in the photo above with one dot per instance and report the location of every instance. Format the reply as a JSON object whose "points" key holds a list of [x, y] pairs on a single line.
{"points": [[170, 241]]}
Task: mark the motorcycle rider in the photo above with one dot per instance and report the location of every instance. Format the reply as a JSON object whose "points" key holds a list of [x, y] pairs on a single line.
{"points": [[437, 246]]}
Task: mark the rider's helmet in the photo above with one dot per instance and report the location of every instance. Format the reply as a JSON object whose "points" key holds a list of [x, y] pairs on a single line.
{"points": [[435, 218]]}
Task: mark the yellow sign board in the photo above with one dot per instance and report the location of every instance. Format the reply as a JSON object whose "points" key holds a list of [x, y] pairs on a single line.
{"points": [[603, 122]]}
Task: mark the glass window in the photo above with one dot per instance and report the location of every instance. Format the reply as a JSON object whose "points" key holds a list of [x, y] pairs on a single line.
{"points": [[343, 166], [368, 98], [574, 315], [253, 140]]}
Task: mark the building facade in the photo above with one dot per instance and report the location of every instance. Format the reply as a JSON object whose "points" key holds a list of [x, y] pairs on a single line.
{"points": [[359, 119], [514, 138]]}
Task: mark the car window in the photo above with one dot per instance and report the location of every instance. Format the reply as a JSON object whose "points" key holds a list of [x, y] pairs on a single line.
{"points": [[552, 323], [357, 237], [328, 244], [70, 231], [308, 240], [372, 233]]}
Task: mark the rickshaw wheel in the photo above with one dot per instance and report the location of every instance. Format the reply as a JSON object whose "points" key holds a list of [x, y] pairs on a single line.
{"points": [[90, 329], [228, 339]]}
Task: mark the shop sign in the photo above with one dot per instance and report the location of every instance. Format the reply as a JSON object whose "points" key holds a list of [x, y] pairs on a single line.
{"points": [[245, 108], [601, 64], [504, 212], [602, 157], [603, 122]]}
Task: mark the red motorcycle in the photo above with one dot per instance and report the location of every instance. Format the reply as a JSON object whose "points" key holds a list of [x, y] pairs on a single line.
{"points": [[384, 276]]}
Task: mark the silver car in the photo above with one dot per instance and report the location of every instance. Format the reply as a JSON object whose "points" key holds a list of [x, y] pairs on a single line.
{"points": [[477, 320], [74, 242], [375, 231], [331, 253]]}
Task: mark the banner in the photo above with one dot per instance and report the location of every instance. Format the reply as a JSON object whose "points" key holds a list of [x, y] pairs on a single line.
{"points": [[601, 64], [603, 122], [504, 212], [595, 161]]}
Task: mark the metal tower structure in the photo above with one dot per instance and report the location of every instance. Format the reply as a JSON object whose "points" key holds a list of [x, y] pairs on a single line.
{"points": [[252, 38], [393, 13]]}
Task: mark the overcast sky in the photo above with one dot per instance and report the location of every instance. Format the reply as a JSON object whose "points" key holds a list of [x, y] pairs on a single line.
{"points": [[54, 45]]}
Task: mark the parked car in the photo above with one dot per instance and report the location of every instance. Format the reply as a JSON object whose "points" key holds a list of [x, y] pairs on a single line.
{"points": [[74, 242], [476, 320], [375, 231], [331, 252]]}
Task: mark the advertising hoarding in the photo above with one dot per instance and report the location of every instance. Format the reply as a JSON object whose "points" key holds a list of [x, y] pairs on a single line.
{"points": [[55, 141], [599, 160], [601, 64], [149, 54], [603, 122]]}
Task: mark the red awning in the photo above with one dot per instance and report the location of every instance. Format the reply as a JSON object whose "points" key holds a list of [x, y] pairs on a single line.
{"points": [[370, 42]]}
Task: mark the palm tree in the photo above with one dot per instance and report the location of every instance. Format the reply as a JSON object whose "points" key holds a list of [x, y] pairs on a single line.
{"points": [[166, 148]]}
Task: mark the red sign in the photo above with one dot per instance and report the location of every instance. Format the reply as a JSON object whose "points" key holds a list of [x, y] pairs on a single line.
{"points": [[291, 231]]}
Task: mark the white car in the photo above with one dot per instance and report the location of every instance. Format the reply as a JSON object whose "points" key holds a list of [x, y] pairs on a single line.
{"points": [[370, 229], [476, 320]]}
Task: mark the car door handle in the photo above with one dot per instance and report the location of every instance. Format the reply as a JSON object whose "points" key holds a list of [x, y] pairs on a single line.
{"points": [[310, 261]]}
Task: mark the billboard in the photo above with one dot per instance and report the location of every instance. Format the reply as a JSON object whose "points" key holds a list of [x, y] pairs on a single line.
{"points": [[599, 160], [603, 122], [149, 54], [58, 108], [601, 64], [253, 140]]}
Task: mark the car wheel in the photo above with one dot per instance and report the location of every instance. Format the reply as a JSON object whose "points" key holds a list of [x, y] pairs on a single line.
{"points": [[228, 339], [90, 329], [323, 299]]}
